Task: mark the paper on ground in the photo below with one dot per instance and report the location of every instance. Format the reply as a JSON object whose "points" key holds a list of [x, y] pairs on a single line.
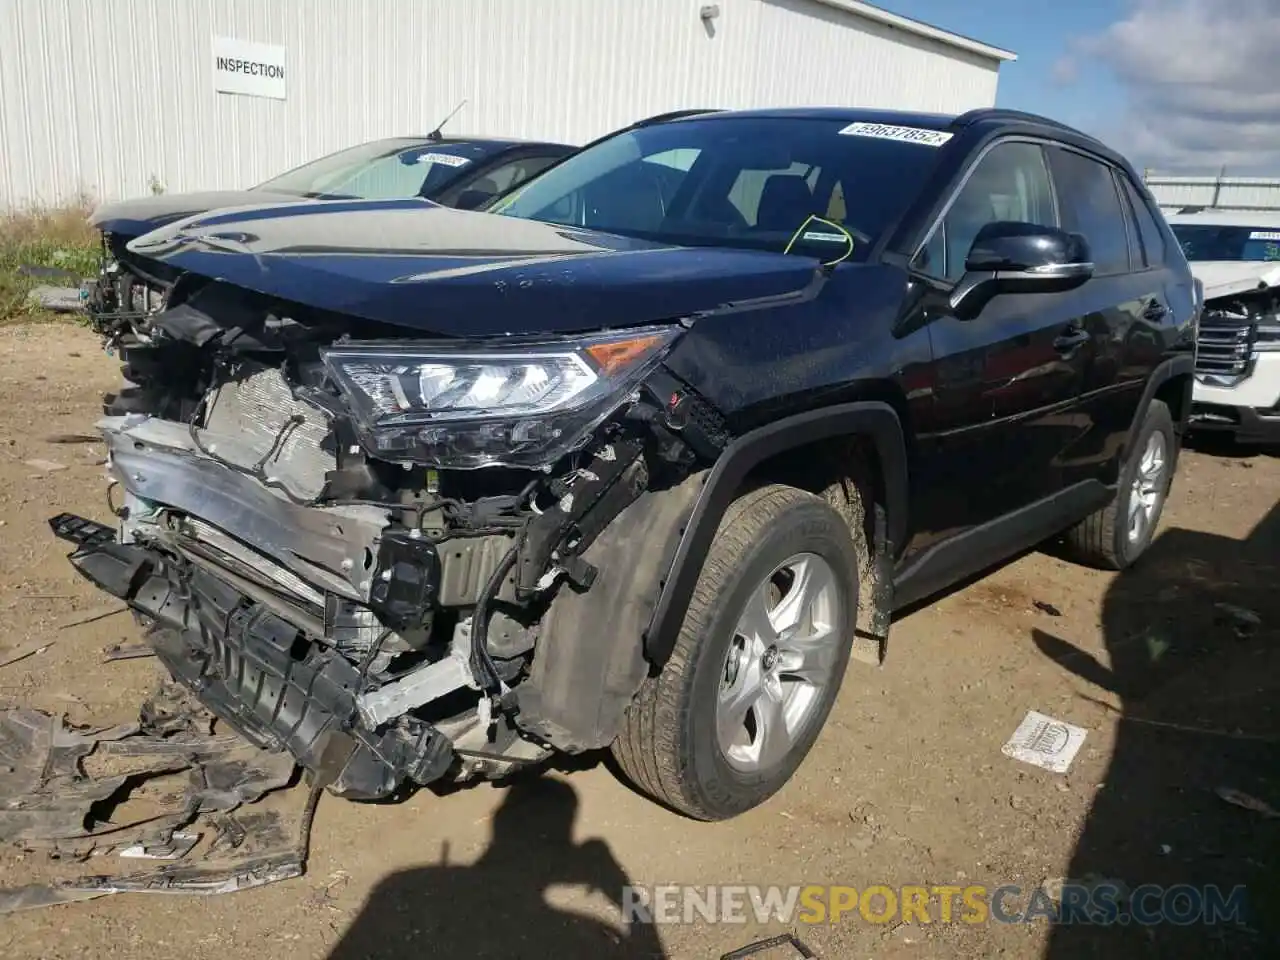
{"points": [[1045, 742]]}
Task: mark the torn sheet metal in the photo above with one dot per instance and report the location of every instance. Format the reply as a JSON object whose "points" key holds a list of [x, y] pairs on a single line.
{"points": [[189, 880], [177, 847]]}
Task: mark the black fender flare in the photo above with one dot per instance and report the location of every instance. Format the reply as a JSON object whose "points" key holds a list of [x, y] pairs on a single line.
{"points": [[873, 419], [1183, 364]]}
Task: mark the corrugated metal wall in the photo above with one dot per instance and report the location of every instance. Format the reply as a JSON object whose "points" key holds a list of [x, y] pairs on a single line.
{"points": [[1230, 193], [101, 96]]}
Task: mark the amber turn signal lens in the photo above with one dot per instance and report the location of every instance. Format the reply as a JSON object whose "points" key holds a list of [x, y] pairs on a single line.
{"points": [[620, 354]]}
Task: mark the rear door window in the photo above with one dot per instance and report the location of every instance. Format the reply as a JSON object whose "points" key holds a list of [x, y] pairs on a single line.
{"points": [[1091, 206]]}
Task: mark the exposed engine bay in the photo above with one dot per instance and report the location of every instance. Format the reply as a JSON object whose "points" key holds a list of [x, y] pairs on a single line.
{"points": [[127, 293], [340, 557]]}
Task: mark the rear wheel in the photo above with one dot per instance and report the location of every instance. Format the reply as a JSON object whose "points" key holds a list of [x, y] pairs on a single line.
{"points": [[757, 664], [1117, 535]]}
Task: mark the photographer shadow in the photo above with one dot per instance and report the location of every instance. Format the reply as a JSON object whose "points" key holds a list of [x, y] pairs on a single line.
{"points": [[496, 907], [1191, 636]]}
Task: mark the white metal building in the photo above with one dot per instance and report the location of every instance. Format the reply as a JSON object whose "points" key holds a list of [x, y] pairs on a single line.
{"points": [[1175, 191], [111, 97]]}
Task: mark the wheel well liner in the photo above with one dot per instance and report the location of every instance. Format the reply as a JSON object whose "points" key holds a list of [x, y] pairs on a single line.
{"points": [[1159, 386], [874, 419]]}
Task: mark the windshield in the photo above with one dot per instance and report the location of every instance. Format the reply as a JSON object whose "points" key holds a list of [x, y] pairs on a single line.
{"points": [[381, 170], [732, 181], [1208, 242]]}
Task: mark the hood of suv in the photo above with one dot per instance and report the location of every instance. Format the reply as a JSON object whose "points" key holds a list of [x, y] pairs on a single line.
{"points": [[132, 218], [1224, 278], [452, 272]]}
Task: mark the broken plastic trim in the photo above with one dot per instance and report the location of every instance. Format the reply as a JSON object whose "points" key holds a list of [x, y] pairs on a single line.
{"points": [[183, 879]]}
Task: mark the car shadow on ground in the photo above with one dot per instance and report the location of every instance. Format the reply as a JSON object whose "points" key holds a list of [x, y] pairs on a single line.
{"points": [[497, 906], [1193, 667], [1227, 447]]}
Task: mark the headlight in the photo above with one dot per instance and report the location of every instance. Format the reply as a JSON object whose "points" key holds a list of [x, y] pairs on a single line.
{"points": [[469, 407], [1267, 333]]}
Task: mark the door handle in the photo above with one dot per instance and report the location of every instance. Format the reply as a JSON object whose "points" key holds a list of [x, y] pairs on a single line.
{"points": [[1155, 311], [1071, 339]]}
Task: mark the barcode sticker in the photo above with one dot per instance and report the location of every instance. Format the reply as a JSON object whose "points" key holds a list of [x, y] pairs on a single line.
{"points": [[448, 159], [887, 131]]}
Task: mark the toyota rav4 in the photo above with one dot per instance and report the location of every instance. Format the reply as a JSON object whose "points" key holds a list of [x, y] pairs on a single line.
{"points": [[643, 456]]}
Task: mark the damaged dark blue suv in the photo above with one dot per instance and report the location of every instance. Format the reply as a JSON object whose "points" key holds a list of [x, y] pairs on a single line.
{"points": [[644, 455]]}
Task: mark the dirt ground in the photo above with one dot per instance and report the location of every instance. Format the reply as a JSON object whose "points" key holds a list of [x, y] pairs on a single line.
{"points": [[907, 785]]}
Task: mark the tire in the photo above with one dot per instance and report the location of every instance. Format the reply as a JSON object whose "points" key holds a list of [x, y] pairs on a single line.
{"points": [[1103, 538], [671, 742]]}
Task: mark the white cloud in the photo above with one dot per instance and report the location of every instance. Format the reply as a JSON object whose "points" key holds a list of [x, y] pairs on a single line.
{"points": [[1066, 70], [1203, 83]]}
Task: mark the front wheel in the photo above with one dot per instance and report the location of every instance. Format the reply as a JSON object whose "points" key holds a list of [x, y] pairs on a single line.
{"points": [[758, 662]]}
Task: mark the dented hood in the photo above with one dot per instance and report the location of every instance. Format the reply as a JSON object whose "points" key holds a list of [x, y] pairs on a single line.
{"points": [[460, 273], [1225, 278], [132, 218]]}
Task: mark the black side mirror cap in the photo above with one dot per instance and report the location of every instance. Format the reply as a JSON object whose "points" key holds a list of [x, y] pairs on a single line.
{"points": [[1016, 257]]}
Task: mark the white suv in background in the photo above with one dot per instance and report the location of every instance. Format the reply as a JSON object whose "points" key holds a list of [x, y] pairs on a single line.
{"points": [[1235, 254]]}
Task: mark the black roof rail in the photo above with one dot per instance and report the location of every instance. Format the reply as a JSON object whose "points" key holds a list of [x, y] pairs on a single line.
{"points": [[648, 121], [1000, 113], [675, 115]]}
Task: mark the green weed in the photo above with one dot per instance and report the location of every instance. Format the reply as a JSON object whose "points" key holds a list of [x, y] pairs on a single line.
{"points": [[60, 238]]}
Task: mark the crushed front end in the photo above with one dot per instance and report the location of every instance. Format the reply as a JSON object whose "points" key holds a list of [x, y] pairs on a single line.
{"points": [[1237, 389], [347, 541], [128, 292]]}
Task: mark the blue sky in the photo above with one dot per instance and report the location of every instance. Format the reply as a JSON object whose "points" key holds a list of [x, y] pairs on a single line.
{"points": [[1174, 84], [1038, 33]]}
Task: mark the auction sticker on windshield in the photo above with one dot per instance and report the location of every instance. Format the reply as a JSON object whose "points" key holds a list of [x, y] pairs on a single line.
{"points": [[448, 159], [888, 131]]}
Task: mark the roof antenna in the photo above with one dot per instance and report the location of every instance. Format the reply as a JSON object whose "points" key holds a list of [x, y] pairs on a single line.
{"points": [[435, 134]]}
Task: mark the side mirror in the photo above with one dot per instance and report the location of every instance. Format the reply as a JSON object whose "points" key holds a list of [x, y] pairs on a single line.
{"points": [[471, 199], [1014, 257]]}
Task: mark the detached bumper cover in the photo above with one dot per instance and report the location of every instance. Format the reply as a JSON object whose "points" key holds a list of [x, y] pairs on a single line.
{"points": [[263, 676], [1249, 407], [1246, 424]]}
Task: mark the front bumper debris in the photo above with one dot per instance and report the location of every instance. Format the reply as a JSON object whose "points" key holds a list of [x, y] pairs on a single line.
{"points": [[73, 794], [260, 674]]}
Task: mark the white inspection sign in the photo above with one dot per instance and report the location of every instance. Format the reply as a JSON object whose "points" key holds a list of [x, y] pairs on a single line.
{"points": [[251, 69]]}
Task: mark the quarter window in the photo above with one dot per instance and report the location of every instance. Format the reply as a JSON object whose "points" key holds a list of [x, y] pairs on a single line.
{"points": [[1148, 229], [1010, 183], [1091, 207]]}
